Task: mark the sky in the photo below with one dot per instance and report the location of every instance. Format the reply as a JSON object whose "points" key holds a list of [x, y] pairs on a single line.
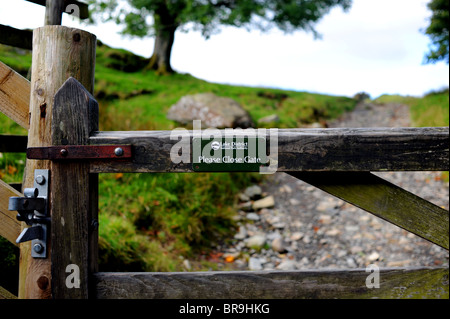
{"points": [[377, 47]]}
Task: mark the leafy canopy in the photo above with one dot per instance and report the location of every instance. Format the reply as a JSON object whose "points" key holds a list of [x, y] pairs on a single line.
{"points": [[438, 31], [143, 17]]}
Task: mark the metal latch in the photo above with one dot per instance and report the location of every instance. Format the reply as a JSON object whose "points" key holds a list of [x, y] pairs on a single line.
{"points": [[33, 210]]}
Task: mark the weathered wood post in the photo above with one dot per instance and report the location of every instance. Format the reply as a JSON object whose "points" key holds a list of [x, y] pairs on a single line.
{"points": [[73, 190], [58, 53], [53, 12]]}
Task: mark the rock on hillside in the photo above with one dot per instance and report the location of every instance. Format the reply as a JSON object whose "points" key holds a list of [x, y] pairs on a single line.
{"points": [[212, 110]]}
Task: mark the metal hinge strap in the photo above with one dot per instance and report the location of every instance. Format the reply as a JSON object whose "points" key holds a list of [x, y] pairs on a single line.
{"points": [[80, 152]]}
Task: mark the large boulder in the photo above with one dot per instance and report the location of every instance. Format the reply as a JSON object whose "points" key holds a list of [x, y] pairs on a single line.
{"points": [[212, 110]]}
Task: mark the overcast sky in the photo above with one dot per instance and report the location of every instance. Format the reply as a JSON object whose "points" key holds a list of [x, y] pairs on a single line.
{"points": [[377, 47]]}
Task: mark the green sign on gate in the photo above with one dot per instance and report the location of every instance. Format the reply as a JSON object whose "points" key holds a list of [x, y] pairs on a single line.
{"points": [[225, 154]]}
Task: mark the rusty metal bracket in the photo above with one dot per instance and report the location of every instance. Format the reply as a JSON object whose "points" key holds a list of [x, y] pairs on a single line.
{"points": [[80, 152]]}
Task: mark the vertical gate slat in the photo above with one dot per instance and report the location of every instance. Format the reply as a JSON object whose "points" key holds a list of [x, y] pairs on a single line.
{"points": [[71, 199]]}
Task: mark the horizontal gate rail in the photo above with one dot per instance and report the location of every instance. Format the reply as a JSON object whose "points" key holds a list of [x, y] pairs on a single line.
{"points": [[334, 149], [414, 282], [16, 37], [14, 96], [13, 143]]}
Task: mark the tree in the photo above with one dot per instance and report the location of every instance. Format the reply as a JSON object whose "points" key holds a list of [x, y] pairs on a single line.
{"points": [[161, 18], [438, 31]]}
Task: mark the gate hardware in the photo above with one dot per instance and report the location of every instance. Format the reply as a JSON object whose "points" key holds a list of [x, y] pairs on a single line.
{"points": [[80, 152], [33, 210]]}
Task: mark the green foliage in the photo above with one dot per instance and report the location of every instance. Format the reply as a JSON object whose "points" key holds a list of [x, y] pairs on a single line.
{"points": [[123, 248], [438, 31], [119, 59], [430, 110], [183, 212], [143, 18], [288, 15], [16, 58]]}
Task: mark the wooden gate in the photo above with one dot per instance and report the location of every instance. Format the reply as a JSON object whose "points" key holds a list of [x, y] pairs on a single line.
{"points": [[61, 116]]}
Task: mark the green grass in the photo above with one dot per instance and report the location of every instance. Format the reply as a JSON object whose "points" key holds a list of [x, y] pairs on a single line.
{"points": [[147, 221], [430, 110]]}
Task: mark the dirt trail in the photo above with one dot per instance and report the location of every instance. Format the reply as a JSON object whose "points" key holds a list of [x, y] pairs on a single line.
{"points": [[317, 230]]}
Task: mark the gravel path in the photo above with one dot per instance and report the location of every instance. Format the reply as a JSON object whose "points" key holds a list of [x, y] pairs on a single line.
{"points": [[307, 228]]}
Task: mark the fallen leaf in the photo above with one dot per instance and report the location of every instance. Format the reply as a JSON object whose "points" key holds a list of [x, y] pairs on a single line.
{"points": [[229, 259]]}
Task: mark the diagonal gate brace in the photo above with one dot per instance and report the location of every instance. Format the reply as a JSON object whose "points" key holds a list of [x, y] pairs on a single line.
{"points": [[385, 200]]}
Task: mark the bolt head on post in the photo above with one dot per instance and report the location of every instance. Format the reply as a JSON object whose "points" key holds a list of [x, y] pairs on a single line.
{"points": [[40, 179], [118, 151], [38, 248]]}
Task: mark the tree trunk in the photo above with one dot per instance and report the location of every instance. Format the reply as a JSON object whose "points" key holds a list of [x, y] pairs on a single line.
{"points": [[160, 60]]}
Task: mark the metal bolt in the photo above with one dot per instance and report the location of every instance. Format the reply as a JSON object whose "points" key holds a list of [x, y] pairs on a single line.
{"points": [[94, 224], [64, 152], [118, 151], [40, 179], [38, 248]]}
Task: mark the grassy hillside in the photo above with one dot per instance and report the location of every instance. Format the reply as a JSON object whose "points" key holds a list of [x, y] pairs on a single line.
{"points": [[150, 222]]}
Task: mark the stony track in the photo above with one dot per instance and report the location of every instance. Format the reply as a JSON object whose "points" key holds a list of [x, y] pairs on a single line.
{"points": [[305, 228]]}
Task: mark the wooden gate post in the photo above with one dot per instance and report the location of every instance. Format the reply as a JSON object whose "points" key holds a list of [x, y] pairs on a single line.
{"points": [[74, 192], [58, 53], [53, 12]]}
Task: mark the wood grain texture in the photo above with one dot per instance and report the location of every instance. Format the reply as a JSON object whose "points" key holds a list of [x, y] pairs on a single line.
{"points": [[9, 225], [14, 96], [75, 116], [385, 200], [336, 149], [308, 284], [58, 53], [53, 12]]}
